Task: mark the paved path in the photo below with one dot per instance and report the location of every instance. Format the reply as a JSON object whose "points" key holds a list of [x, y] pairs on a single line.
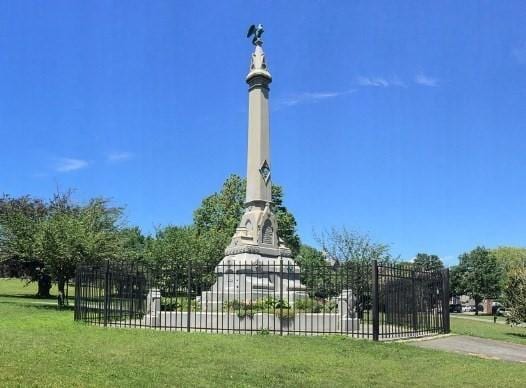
{"points": [[474, 318], [481, 347]]}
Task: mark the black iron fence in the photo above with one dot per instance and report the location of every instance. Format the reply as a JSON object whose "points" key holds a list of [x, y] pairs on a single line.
{"points": [[377, 301]]}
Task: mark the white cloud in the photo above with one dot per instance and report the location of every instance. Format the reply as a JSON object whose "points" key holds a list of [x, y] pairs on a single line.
{"points": [[519, 53], [312, 97], [119, 156], [380, 82], [424, 80], [372, 81], [69, 164]]}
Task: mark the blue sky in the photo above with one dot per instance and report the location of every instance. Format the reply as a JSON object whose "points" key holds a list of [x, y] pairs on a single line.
{"points": [[404, 120]]}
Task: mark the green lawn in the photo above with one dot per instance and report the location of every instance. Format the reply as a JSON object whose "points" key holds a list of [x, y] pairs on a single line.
{"points": [[16, 289], [486, 317], [489, 330], [42, 346]]}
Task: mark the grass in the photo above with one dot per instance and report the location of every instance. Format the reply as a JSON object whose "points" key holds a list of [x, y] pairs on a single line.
{"points": [[486, 317], [42, 346], [489, 330]]}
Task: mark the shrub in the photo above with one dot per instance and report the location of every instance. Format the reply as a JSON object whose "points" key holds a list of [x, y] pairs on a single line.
{"points": [[515, 293]]}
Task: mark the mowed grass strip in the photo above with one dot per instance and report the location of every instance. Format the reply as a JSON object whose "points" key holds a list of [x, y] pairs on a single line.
{"points": [[41, 346], [489, 330]]}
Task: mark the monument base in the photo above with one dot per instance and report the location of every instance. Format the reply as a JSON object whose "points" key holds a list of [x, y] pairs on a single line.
{"points": [[248, 277]]}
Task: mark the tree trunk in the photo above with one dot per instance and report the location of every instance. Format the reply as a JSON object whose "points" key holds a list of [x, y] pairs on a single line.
{"points": [[61, 286], [477, 301], [61, 294], [44, 285]]}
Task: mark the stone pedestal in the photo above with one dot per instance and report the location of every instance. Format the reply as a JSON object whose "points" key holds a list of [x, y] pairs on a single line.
{"points": [[247, 277], [347, 308], [153, 306]]}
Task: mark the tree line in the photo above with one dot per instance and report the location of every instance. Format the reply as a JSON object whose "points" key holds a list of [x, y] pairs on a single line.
{"points": [[498, 274], [44, 241]]}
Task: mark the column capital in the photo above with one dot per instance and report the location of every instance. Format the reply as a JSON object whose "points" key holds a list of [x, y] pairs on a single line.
{"points": [[258, 68]]}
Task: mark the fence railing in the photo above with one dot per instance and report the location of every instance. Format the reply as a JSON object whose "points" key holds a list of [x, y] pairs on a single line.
{"points": [[377, 301]]}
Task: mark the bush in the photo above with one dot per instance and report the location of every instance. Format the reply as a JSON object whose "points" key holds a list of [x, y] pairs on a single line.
{"points": [[170, 304], [515, 293], [315, 306]]}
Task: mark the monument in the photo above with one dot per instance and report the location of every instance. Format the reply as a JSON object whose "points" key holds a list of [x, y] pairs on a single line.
{"points": [[257, 264]]}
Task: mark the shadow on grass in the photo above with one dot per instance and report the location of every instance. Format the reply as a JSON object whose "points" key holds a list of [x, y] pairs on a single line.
{"points": [[47, 306], [520, 335], [29, 296]]}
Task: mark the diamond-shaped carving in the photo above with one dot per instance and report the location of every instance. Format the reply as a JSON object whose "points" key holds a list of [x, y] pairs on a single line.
{"points": [[265, 171]]}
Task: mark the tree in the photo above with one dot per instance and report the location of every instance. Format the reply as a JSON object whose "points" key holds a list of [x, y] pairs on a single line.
{"points": [[349, 246], [133, 243], [510, 258], [320, 277], [352, 253], [310, 257], [286, 221], [220, 213], [20, 219], [71, 234], [478, 275], [174, 248], [455, 281], [53, 237], [425, 262], [515, 295]]}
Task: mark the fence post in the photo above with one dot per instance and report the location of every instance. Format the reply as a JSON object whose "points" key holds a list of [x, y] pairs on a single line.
{"points": [[77, 316], [281, 295], [106, 293], [413, 302], [188, 296], [445, 300], [376, 302]]}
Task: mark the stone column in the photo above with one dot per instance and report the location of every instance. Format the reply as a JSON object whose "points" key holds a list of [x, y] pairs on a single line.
{"points": [[257, 230], [259, 186]]}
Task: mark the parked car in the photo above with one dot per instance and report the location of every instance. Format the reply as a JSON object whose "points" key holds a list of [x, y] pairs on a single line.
{"points": [[495, 307], [455, 308], [466, 309], [502, 312]]}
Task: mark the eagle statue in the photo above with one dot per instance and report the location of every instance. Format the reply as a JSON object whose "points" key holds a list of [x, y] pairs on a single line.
{"points": [[257, 31]]}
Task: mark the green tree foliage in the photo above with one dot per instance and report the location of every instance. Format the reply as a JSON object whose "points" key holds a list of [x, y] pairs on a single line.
{"points": [[286, 221], [343, 246], [425, 262], [57, 235], [133, 243], [309, 257], [19, 222], [71, 234], [20, 219], [455, 281], [174, 248], [352, 254], [478, 275], [515, 295], [510, 258], [220, 213], [316, 273]]}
